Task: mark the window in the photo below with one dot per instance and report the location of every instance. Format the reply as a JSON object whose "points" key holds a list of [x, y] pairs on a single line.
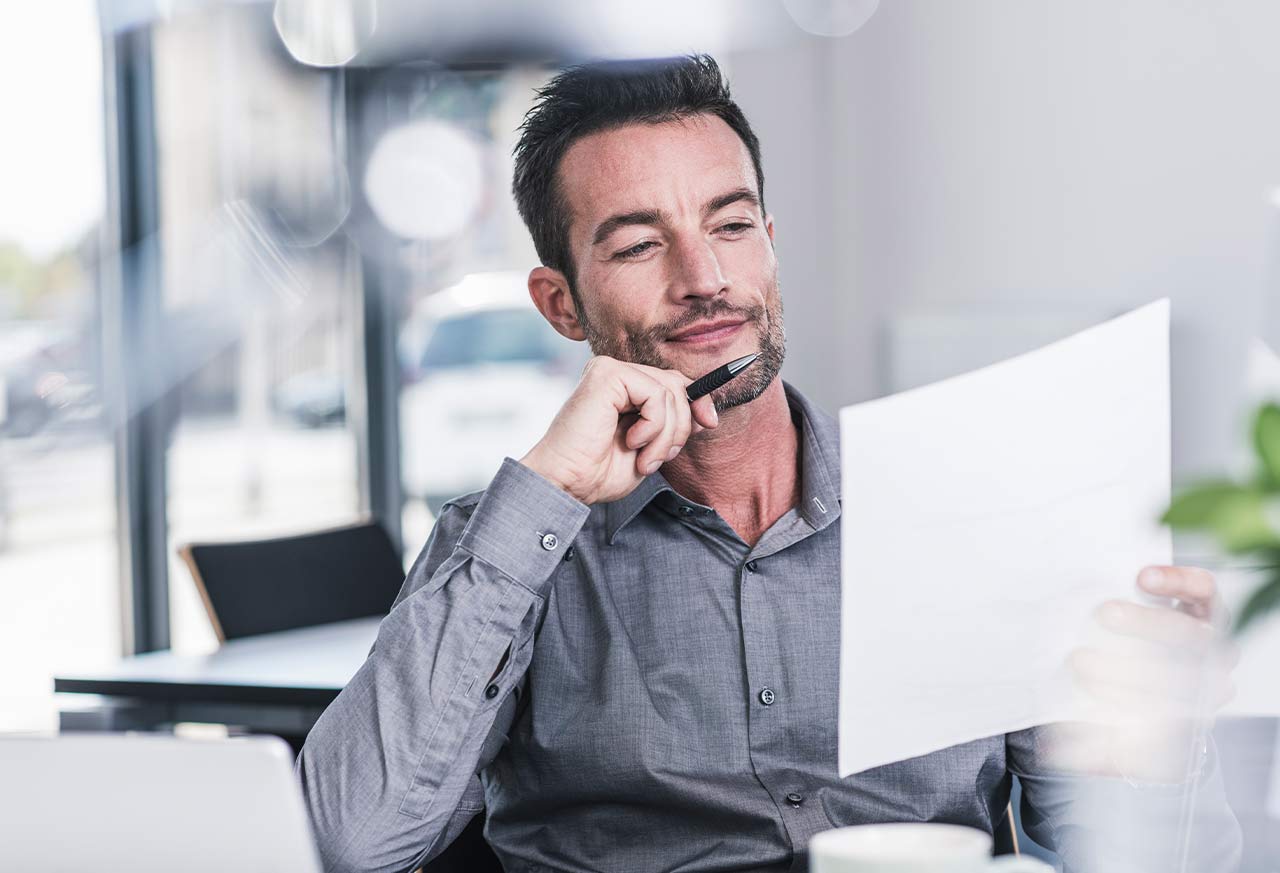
{"points": [[260, 291], [59, 597], [481, 372]]}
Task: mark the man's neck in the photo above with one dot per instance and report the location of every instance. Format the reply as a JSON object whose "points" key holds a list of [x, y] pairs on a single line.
{"points": [[747, 468]]}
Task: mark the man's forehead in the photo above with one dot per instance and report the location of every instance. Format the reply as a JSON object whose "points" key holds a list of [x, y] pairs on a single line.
{"points": [[644, 165]]}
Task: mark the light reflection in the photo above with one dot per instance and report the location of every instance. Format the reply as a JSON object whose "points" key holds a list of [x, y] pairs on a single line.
{"points": [[325, 33], [425, 180], [831, 17]]}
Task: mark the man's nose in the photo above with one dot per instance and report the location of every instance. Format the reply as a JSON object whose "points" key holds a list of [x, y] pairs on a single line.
{"points": [[697, 271]]}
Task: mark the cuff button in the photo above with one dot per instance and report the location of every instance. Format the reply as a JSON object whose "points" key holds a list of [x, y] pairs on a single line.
{"points": [[549, 541]]}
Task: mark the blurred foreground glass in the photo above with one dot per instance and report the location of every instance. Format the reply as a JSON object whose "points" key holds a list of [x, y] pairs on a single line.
{"points": [[260, 290], [325, 33], [831, 17], [59, 595]]}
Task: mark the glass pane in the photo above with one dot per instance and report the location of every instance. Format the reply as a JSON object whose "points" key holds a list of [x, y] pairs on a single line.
{"points": [[259, 288], [59, 588]]}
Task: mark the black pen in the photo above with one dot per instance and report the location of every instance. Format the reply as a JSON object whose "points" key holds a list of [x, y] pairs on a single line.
{"points": [[706, 384]]}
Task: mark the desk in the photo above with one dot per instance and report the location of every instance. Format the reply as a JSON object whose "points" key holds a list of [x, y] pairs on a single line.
{"points": [[271, 683]]}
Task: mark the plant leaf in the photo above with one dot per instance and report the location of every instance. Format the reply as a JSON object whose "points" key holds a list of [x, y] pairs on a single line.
{"points": [[1266, 441], [1262, 601], [1197, 506], [1240, 522]]}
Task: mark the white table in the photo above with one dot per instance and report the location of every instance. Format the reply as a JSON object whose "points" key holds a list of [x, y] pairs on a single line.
{"points": [[273, 683]]}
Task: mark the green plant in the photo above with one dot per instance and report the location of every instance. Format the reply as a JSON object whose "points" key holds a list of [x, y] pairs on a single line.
{"points": [[1244, 517]]}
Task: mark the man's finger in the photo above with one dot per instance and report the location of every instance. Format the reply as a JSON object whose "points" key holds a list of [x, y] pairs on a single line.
{"points": [[1158, 624], [704, 412], [1150, 684], [648, 397], [684, 422], [655, 453], [1193, 586]]}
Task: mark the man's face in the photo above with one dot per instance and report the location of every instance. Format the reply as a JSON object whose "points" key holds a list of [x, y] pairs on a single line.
{"points": [[674, 257]]}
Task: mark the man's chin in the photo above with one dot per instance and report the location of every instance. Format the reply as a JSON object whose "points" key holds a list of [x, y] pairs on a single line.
{"points": [[746, 387]]}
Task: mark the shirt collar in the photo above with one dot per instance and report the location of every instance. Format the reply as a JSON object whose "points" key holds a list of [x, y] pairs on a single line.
{"points": [[819, 461], [819, 472], [619, 512]]}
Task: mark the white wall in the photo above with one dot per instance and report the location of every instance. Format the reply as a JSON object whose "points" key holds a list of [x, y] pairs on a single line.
{"points": [[1028, 156]]}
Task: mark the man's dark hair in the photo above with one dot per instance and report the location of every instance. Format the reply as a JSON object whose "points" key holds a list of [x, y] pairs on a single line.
{"points": [[600, 96]]}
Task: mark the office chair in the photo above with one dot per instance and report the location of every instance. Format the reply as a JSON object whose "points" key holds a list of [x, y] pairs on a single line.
{"points": [[260, 586], [270, 585]]}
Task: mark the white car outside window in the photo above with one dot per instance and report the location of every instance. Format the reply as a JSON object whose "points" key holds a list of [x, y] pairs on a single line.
{"points": [[485, 376]]}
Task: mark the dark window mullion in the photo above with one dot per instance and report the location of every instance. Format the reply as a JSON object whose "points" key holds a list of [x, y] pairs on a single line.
{"points": [[132, 308], [376, 420]]}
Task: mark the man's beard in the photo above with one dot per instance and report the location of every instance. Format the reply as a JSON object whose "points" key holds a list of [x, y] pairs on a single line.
{"points": [[642, 347]]}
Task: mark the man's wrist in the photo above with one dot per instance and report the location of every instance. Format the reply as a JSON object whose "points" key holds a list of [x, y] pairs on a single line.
{"points": [[536, 461]]}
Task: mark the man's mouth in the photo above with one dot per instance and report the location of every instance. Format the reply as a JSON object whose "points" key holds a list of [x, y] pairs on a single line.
{"points": [[707, 331]]}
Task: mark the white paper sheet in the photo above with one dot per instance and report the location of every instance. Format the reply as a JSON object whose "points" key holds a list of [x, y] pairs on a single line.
{"points": [[984, 518]]}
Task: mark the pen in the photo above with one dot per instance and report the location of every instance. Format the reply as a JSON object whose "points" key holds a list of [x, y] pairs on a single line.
{"points": [[717, 377]]}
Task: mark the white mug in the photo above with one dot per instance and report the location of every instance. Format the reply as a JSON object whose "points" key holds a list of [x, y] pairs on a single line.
{"points": [[912, 848]]}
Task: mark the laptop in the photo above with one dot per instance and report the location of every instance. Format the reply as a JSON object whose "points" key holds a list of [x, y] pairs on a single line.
{"points": [[150, 802]]}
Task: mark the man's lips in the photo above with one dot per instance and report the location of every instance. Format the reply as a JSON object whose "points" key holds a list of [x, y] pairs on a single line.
{"points": [[708, 330]]}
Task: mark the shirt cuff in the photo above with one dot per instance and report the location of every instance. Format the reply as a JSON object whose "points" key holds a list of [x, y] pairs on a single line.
{"points": [[522, 526]]}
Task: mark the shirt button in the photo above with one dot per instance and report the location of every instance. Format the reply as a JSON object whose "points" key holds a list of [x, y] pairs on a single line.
{"points": [[568, 553], [752, 566], [795, 799], [491, 692], [766, 696], [549, 541], [686, 510]]}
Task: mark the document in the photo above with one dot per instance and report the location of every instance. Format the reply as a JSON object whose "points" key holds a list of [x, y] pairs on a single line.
{"points": [[985, 517]]}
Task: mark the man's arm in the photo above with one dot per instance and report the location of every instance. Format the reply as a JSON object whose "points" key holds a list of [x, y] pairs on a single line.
{"points": [[1109, 824], [388, 771], [1138, 788]]}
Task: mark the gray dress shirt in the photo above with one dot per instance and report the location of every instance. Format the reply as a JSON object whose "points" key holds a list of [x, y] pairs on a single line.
{"points": [[631, 687]]}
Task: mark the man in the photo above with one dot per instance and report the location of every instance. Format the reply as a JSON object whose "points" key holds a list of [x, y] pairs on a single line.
{"points": [[625, 649]]}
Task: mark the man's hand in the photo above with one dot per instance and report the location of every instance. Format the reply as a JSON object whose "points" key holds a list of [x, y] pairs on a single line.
{"points": [[622, 423], [1162, 675]]}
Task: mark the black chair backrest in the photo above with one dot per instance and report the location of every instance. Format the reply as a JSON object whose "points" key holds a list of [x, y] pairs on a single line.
{"points": [[278, 584]]}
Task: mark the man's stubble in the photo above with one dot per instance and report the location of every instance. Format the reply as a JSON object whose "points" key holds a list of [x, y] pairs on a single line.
{"points": [[643, 347]]}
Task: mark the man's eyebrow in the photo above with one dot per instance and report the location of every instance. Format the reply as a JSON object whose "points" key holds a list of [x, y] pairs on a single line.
{"points": [[739, 195], [606, 228]]}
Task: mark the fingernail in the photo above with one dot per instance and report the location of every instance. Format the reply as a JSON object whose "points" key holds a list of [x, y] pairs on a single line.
{"points": [[675, 450], [653, 467], [1151, 577]]}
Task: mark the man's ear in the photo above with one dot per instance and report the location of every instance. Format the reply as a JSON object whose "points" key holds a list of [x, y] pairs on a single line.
{"points": [[768, 226], [550, 292]]}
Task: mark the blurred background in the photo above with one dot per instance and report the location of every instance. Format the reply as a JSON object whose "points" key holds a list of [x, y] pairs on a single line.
{"points": [[260, 270]]}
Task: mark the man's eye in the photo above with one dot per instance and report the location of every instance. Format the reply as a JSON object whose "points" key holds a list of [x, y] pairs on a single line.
{"points": [[736, 226], [636, 250]]}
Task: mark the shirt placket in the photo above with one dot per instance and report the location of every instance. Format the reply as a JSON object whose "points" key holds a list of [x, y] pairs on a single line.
{"points": [[770, 705]]}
